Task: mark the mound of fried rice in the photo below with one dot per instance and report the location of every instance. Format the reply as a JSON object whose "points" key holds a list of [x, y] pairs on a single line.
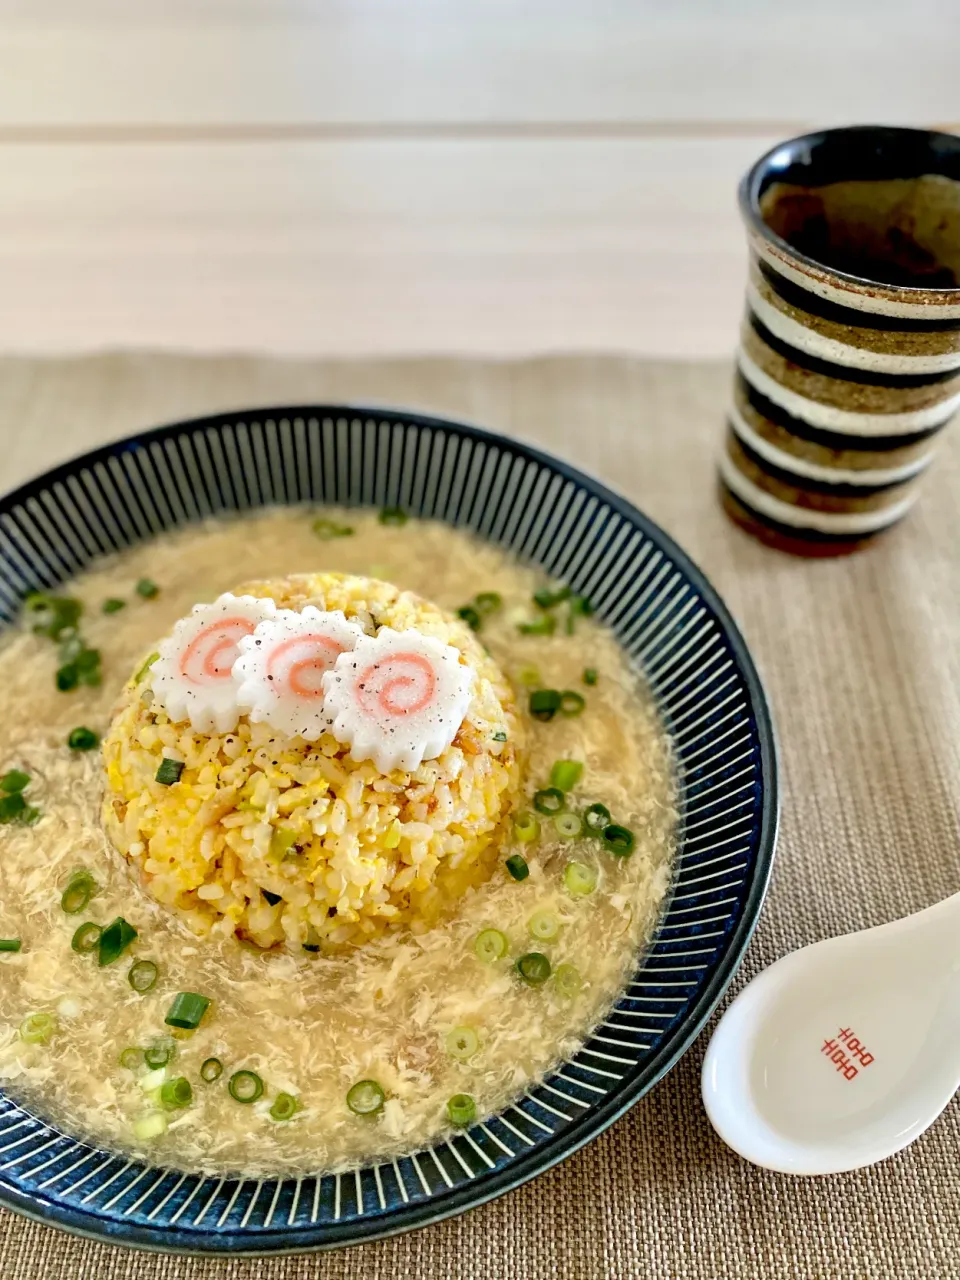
{"points": [[284, 842]]}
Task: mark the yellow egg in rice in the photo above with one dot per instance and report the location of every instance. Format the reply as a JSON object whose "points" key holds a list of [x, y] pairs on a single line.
{"points": [[286, 842]]}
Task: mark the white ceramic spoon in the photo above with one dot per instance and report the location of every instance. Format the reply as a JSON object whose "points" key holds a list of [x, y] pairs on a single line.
{"points": [[843, 1052]]}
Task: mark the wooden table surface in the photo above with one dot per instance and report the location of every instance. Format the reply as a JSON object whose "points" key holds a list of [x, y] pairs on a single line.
{"points": [[371, 176]]}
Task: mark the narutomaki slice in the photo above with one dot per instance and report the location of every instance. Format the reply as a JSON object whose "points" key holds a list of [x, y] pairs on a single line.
{"points": [[192, 679], [398, 698], [281, 667]]}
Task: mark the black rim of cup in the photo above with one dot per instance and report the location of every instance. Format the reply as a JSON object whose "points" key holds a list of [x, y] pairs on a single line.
{"points": [[857, 152]]}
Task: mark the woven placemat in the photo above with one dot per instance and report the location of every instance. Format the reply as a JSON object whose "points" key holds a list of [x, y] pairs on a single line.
{"points": [[862, 662]]}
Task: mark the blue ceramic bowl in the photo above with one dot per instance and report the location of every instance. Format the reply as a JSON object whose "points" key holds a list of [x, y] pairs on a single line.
{"points": [[667, 618]]}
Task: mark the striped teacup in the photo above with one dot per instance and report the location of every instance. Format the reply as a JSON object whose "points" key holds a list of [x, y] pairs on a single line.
{"points": [[849, 359]]}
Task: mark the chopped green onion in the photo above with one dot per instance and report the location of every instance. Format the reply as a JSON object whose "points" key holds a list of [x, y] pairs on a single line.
{"points": [[88, 667], [131, 1058], [143, 976], [149, 1127], [282, 841], [52, 615], [534, 968], [169, 771], [211, 1069], [159, 1054], [517, 867], [579, 879], [14, 780], [327, 529], [393, 516], [147, 589], [565, 774], [80, 889], [549, 800], [544, 926], [525, 826], [114, 940], [187, 1010], [245, 1086], [82, 739], [590, 675], [546, 598], [499, 736], [12, 807], [490, 945], [10, 944], [488, 602], [470, 616], [462, 1110], [28, 816], [67, 677], [142, 671], [86, 938], [544, 626], [284, 1107], [620, 841], [461, 1043], [580, 607], [529, 676], [595, 818], [176, 1093], [568, 981], [113, 605], [544, 704], [37, 1028], [569, 826], [571, 702], [365, 1098]]}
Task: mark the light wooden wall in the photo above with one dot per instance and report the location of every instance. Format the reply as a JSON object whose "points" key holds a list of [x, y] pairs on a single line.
{"points": [[358, 176]]}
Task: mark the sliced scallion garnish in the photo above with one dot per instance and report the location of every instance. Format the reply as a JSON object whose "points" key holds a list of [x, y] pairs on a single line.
{"points": [[470, 616], [461, 1043], [462, 1110], [571, 702], [37, 1028], [549, 800], [82, 739], [284, 1107], [86, 938], [488, 602], [157, 1055], [525, 826], [620, 841], [14, 780], [544, 704], [579, 879], [544, 626], [365, 1098], [565, 774], [142, 670], [187, 1010], [80, 889], [147, 589], [393, 516], [544, 926], [114, 940], [534, 968], [143, 976], [176, 1093], [490, 945], [328, 529], [568, 826], [113, 605], [131, 1058], [169, 771], [211, 1069], [590, 675], [245, 1086], [568, 980], [595, 818], [517, 867], [10, 945]]}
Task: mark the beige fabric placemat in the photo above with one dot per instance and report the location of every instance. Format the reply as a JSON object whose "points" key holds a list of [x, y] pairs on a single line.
{"points": [[862, 662]]}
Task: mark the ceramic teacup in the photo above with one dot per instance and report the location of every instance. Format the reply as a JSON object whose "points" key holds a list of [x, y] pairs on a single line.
{"points": [[849, 358]]}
